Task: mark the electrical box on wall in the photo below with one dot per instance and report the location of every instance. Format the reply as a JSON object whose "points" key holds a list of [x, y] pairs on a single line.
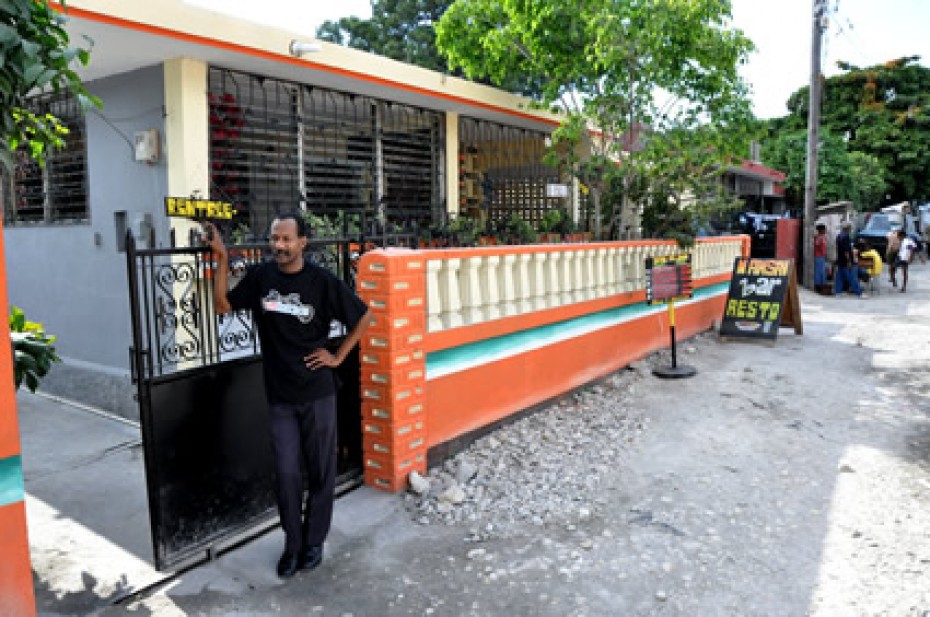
{"points": [[146, 145]]}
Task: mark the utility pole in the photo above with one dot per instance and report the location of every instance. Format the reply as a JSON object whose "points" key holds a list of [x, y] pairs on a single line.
{"points": [[813, 137]]}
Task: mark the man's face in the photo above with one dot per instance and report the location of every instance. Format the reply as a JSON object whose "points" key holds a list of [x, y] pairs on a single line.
{"points": [[286, 245]]}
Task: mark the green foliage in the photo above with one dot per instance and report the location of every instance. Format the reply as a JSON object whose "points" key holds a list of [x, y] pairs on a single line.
{"points": [[557, 221], [516, 230], [464, 231], [339, 225], [636, 71], [33, 352], [405, 30], [882, 112], [35, 53], [841, 176]]}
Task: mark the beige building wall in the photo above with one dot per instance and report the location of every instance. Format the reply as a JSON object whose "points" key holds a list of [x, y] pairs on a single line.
{"points": [[186, 135], [452, 164]]}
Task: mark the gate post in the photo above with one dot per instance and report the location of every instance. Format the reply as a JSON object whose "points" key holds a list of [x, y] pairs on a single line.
{"points": [[392, 282], [16, 592]]}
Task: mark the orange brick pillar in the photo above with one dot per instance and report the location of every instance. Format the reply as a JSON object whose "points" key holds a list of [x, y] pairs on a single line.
{"points": [[16, 593], [393, 284]]}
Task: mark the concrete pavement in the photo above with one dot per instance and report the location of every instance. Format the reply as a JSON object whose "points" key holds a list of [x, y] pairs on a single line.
{"points": [[783, 479]]}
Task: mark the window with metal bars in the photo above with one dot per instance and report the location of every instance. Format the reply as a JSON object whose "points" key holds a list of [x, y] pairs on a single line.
{"points": [[277, 145], [57, 192], [501, 171]]}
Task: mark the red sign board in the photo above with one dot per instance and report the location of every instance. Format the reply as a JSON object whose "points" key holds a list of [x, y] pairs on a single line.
{"points": [[668, 277]]}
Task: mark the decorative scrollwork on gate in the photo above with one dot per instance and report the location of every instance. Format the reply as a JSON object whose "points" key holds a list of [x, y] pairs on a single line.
{"points": [[237, 333], [178, 313]]}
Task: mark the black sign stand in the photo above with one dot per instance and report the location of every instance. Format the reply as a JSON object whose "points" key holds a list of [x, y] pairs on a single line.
{"points": [[667, 278]]}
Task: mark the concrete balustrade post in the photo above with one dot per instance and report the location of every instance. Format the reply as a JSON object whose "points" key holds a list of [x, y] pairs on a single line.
{"points": [[593, 282], [601, 286], [539, 279], [552, 279], [524, 287], [490, 287], [472, 303], [452, 316], [580, 282], [508, 290], [566, 276]]}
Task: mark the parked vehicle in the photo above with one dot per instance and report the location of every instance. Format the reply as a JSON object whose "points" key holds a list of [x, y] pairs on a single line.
{"points": [[876, 231]]}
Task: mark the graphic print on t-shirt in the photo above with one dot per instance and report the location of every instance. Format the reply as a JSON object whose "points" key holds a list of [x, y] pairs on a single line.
{"points": [[290, 304]]}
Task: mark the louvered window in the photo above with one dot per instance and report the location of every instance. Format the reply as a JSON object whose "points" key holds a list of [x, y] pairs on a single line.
{"points": [[57, 192], [277, 145]]}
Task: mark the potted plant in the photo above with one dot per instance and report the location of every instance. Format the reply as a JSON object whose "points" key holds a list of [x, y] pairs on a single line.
{"points": [[33, 352], [515, 230], [464, 231]]}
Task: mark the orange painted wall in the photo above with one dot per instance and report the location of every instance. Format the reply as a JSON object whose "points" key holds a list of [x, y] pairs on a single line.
{"points": [[499, 389], [405, 411], [16, 593]]}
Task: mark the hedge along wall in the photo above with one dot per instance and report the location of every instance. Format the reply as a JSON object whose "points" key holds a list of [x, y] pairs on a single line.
{"points": [[463, 338]]}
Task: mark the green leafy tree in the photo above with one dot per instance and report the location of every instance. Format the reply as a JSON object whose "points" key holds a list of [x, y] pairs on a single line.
{"points": [[842, 175], [36, 55], [626, 73], [405, 30], [882, 112], [398, 29]]}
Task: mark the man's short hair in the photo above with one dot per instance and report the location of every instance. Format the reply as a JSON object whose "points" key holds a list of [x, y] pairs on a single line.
{"points": [[821, 227], [298, 219]]}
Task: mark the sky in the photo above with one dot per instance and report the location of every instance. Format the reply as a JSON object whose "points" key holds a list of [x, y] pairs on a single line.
{"points": [[861, 32]]}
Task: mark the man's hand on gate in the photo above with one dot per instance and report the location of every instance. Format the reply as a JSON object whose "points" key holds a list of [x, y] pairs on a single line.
{"points": [[212, 238]]}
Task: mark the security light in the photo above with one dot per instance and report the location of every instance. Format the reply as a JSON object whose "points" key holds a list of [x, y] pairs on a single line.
{"points": [[299, 48]]}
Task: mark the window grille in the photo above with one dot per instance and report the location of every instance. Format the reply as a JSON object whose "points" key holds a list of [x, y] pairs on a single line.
{"points": [[276, 145], [56, 192]]}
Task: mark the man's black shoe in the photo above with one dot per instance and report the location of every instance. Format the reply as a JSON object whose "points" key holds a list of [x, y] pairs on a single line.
{"points": [[288, 565], [311, 557]]}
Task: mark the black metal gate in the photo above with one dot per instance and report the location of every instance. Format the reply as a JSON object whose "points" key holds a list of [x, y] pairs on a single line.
{"points": [[201, 399]]}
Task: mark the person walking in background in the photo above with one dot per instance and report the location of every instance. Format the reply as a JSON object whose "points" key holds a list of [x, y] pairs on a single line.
{"points": [[293, 303], [891, 254], [906, 249], [846, 273], [820, 258]]}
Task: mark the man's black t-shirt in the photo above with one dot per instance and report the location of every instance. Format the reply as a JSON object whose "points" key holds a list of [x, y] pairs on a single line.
{"points": [[293, 314], [844, 254]]}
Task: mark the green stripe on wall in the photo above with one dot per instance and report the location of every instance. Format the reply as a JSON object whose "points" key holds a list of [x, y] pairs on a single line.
{"points": [[11, 481], [447, 361]]}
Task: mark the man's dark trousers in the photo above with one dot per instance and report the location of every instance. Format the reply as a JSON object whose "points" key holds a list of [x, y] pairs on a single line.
{"points": [[308, 431]]}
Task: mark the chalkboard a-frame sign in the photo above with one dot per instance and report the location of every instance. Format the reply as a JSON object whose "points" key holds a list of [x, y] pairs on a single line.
{"points": [[763, 297]]}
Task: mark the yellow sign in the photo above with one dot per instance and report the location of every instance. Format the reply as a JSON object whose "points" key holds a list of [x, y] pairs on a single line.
{"points": [[198, 208]]}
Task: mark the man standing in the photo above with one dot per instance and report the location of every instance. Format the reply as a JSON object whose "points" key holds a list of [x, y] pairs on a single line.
{"points": [[820, 258], [846, 274], [293, 303]]}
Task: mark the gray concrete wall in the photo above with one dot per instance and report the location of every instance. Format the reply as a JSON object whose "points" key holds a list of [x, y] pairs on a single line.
{"points": [[72, 277]]}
